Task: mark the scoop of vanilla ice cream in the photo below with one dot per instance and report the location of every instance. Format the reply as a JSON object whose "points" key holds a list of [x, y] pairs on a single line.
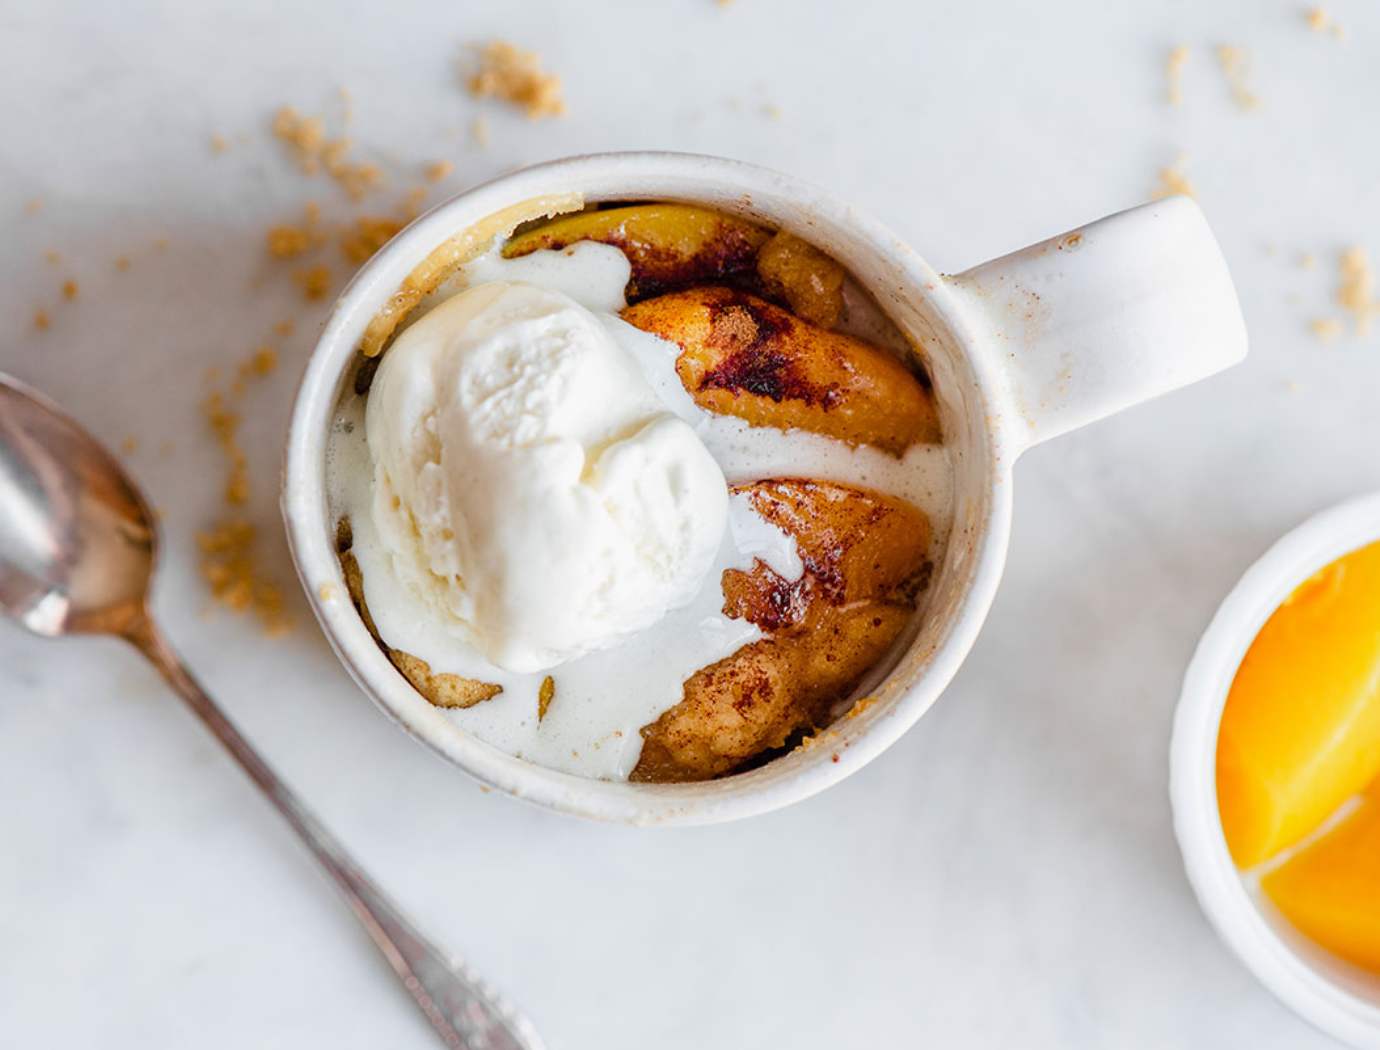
{"points": [[528, 485]]}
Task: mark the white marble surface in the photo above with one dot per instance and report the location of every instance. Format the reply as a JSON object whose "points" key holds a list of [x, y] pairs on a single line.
{"points": [[1006, 875]]}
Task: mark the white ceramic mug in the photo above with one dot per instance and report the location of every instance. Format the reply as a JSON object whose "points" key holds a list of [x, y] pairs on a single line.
{"points": [[1019, 349]]}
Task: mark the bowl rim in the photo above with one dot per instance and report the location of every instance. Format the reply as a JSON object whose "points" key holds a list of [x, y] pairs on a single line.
{"points": [[783, 781], [1342, 1012]]}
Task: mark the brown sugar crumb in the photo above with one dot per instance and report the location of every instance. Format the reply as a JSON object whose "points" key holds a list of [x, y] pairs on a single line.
{"points": [[479, 131], [129, 445], [1355, 292], [261, 362], [1174, 180], [438, 170], [283, 328], [41, 320], [315, 281], [230, 567], [224, 422], [287, 241], [304, 136], [1321, 22], [160, 244], [33, 206], [359, 242], [219, 144], [69, 289], [514, 75], [1235, 63], [52, 257], [1326, 328], [545, 694], [123, 263], [1174, 70]]}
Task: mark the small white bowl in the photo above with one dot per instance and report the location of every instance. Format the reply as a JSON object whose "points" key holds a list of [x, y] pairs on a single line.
{"points": [[1340, 999]]}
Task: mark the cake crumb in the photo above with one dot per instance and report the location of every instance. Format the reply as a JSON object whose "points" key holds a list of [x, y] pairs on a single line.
{"points": [[53, 258], [412, 203], [347, 105], [438, 170], [1308, 261], [69, 289], [1174, 71], [304, 136], [261, 362], [288, 240], [314, 281], [224, 422], [479, 131], [1326, 328], [1174, 180], [860, 706], [123, 263], [359, 242], [1235, 63], [229, 565], [545, 694], [33, 205], [1355, 290], [219, 144], [284, 327], [1321, 22], [129, 445], [160, 244], [41, 320], [771, 111], [513, 75]]}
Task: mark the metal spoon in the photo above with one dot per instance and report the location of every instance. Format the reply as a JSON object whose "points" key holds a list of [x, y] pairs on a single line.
{"points": [[77, 551]]}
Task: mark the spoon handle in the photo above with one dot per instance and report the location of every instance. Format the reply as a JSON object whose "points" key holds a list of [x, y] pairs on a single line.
{"points": [[466, 1013]]}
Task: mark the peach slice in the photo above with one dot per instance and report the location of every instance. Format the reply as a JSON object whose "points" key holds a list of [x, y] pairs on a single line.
{"points": [[1330, 889], [668, 245], [865, 562], [741, 356], [1300, 733]]}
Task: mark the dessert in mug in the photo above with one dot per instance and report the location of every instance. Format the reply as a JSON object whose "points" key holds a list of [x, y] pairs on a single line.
{"points": [[646, 491]]}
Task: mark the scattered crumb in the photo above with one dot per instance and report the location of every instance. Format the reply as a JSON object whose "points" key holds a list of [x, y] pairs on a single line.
{"points": [[544, 696], [160, 244], [123, 263], [326, 592], [52, 257], [1326, 328], [33, 206], [261, 362], [224, 422], [304, 136], [1355, 290], [1235, 63], [219, 144], [283, 328], [359, 242], [41, 320], [1292, 386], [513, 75], [230, 566], [1321, 22], [69, 289], [1174, 180], [479, 131], [287, 241], [1174, 70], [438, 170], [412, 203], [315, 281], [771, 111], [724, 3], [1308, 260], [129, 445], [347, 105]]}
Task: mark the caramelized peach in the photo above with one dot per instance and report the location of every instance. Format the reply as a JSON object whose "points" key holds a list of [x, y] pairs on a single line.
{"points": [[668, 245], [741, 356], [864, 558]]}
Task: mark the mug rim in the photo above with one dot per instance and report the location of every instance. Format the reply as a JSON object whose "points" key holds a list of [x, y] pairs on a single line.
{"points": [[787, 779]]}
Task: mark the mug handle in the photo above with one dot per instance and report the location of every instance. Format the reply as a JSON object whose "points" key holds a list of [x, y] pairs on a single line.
{"points": [[1106, 316]]}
